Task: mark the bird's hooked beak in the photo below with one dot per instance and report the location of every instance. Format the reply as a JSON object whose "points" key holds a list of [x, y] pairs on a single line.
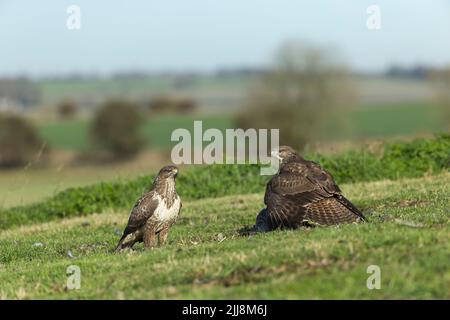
{"points": [[276, 154], [175, 172]]}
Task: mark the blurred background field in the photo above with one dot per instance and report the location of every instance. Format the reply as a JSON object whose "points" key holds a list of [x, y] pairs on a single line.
{"points": [[376, 117], [370, 122], [91, 91], [326, 80]]}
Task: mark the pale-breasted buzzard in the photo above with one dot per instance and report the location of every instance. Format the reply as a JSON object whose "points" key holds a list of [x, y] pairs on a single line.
{"points": [[154, 213], [302, 193]]}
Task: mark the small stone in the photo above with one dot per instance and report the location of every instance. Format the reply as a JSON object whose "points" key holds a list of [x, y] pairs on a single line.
{"points": [[38, 244], [220, 237]]}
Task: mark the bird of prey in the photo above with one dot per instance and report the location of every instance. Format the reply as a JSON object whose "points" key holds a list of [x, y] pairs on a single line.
{"points": [[303, 194], [154, 213]]}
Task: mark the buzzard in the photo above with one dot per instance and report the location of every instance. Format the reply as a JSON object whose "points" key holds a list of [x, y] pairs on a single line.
{"points": [[154, 213], [302, 194]]}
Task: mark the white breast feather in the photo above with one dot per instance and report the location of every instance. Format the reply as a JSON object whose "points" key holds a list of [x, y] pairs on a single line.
{"points": [[163, 214]]}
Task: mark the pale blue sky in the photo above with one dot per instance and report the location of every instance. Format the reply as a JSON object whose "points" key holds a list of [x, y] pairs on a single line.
{"points": [[209, 34]]}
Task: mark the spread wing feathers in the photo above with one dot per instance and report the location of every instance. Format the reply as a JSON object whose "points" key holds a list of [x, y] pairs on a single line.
{"points": [[320, 177], [329, 211], [344, 201], [283, 212], [141, 212], [288, 184], [304, 192]]}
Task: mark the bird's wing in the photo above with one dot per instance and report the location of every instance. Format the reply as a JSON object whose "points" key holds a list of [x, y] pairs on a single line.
{"points": [[287, 195], [325, 180], [142, 211], [329, 211], [321, 178], [307, 193], [179, 209], [350, 206], [289, 184]]}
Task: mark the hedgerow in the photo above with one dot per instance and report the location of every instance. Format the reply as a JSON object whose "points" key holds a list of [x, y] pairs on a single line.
{"points": [[397, 160]]}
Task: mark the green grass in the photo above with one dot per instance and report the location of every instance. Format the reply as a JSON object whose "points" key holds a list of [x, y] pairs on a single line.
{"points": [[66, 134], [402, 159], [366, 122], [20, 187], [407, 237], [158, 131], [74, 134], [400, 119]]}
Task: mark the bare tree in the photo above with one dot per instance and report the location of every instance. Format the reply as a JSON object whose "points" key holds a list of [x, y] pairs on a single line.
{"points": [[306, 90]]}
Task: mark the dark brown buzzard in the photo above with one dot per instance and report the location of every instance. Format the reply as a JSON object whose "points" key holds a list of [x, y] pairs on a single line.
{"points": [[154, 213], [302, 194]]}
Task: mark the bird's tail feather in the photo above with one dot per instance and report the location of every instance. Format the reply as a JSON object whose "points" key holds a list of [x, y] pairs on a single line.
{"points": [[121, 245], [350, 206]]}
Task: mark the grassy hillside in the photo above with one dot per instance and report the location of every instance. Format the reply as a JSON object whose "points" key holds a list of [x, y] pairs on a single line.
{"points": [[407, 237], [395, 160]]}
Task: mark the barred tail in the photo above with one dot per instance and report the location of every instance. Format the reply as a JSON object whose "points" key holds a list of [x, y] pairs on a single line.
{"points": [[121, 245], [350, 206]]}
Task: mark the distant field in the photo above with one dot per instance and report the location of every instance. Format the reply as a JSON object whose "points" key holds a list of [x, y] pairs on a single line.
{"points": [[210, 92], [407, 237], [216, 91], [388, 120], [369, 121], [22, 187], [27, 186], [74, 134]]}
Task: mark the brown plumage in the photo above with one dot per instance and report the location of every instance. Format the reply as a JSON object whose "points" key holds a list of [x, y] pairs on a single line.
{"points": [[154, 213], [302, 193]]}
